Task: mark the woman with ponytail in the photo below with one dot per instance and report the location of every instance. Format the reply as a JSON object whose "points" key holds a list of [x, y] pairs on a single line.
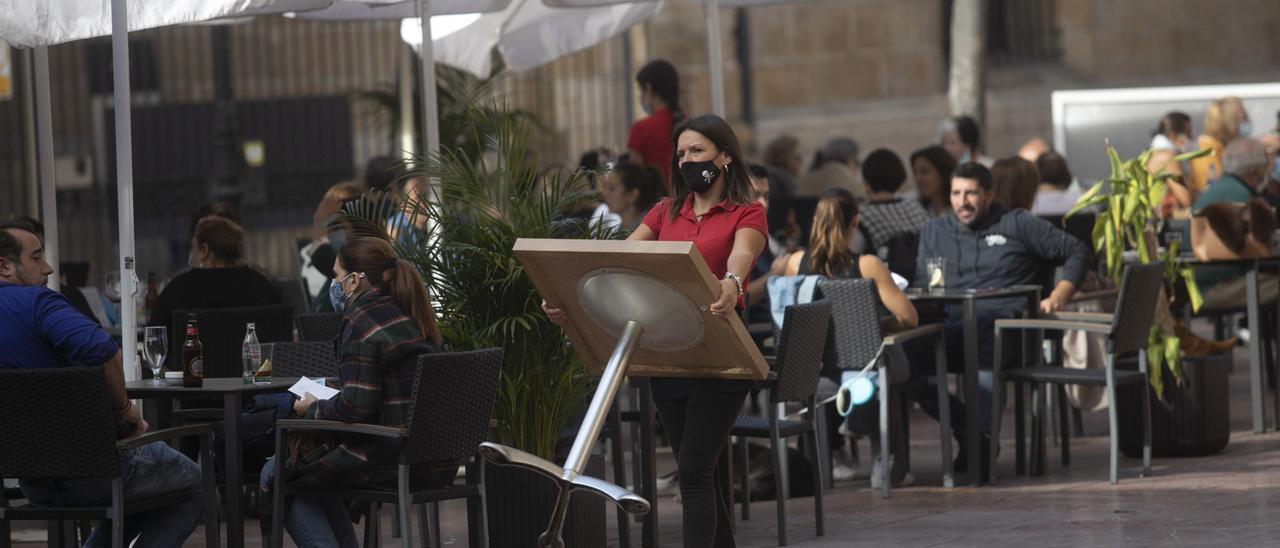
{"points": [[650, 140], [835, 221], [387, 323]]}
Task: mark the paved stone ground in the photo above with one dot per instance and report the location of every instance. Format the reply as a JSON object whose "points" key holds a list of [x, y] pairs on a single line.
{"points": [[1226, 499]]}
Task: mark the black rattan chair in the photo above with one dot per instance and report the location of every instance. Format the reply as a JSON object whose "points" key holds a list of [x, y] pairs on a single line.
{"points": [[222, 334], [856, 325], [453, 398], [1127, 330], [318, 327], [58, 424], [798, 362], [304, 359]]}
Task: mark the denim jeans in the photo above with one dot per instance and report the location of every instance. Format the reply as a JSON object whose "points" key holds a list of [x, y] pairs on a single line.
{"points": [[314, 522], [150, 470]]}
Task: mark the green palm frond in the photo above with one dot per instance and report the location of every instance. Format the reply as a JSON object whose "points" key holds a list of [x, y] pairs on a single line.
{"points": [[483, 200]]}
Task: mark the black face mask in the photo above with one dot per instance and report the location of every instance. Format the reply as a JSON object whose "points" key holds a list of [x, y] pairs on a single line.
{"points": [[699, 176]]}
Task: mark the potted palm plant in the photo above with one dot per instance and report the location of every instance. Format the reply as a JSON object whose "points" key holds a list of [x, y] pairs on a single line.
{"points": [[1190, 413], [480, 206]]}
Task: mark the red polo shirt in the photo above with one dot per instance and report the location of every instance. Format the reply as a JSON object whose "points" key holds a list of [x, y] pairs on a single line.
{"points": [[651, 137], [714, 235]]}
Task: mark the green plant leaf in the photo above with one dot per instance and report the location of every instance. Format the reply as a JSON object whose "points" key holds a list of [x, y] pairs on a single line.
{"points": [[1193, 289], [1188, 156], [1173, 356]]}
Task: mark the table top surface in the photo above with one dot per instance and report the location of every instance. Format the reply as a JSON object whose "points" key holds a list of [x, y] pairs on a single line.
{"points": [[951, 294], [210, 386]]}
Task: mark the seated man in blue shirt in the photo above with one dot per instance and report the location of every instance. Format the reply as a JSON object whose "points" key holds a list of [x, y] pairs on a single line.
{"points": [[41, 329], [984, 245]]}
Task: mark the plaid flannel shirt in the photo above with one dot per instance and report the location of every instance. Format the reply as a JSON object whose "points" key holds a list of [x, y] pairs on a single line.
{"points": [[882, 221], [377, 358]]}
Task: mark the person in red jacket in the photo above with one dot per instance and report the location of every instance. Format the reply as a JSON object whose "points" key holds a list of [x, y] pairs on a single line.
{"points": [[650, 139]]}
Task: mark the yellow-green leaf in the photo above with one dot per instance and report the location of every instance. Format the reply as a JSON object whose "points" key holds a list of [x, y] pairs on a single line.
{"points": [[1193, 290], [1192, 155], [1173, 357]]}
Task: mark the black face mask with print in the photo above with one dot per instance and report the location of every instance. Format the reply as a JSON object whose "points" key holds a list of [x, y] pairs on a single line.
{"points": [[699, 176]]}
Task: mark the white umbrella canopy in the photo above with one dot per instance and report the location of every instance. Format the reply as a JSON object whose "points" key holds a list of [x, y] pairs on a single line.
{"points": [[354, 10], [42, 23], [32, 23], [528, 33]]}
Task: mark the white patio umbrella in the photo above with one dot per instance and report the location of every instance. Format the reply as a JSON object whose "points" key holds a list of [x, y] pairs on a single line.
{"points": [[48, 22]]}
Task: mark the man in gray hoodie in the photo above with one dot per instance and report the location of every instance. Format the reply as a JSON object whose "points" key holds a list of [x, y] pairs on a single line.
{"points": [[987, 246]]}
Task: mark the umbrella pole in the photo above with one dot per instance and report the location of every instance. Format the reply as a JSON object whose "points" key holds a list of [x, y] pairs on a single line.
{"points": [[430, 116], [124, 186], [716, 54], [44, 155]]}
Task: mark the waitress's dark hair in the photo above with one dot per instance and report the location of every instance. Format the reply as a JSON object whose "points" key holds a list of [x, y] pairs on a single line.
{"points": [[394, 276], [737, 188], [663, 79]]}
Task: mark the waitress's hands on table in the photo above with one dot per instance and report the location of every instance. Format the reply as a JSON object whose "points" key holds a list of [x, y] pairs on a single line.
{"points": [[727, 301], [556, 315]]}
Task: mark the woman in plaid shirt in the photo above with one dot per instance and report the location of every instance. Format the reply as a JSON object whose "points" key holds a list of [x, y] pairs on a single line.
{"points": [[387, 324]]}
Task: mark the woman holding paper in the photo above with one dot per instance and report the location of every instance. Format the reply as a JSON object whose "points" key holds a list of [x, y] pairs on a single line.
{"points": [[713, 205], [387, 323]]}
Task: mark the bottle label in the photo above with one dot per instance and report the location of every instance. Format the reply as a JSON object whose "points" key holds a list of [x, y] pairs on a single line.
{"points": [[197, 367]]}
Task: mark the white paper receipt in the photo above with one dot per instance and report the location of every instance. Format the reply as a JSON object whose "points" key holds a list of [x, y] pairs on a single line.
{"points": [[306, 386]]}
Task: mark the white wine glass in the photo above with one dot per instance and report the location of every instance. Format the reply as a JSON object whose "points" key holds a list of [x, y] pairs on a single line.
{"points": [[156, 345]]}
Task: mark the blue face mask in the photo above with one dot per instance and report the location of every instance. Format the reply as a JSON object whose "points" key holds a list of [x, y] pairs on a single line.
{"points": [[337, 297], [1246, 128], [1275, 171]]}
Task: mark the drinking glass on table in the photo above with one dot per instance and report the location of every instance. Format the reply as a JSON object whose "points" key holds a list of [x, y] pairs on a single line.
{"points": [[936, 268], [156, 345], [263, 373]]}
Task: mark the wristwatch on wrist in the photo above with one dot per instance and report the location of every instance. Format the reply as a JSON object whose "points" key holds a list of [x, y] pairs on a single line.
{"points": [[736, 280]]}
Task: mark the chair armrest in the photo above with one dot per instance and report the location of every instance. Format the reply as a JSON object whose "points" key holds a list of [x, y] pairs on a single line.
{"points": [[1097, 317], [1095, 295], [899, 337], [339, 426], [164, 434], [1037, 323]]}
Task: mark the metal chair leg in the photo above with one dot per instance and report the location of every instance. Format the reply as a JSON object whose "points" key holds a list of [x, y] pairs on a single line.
{"points": [[209, 492], [1019, 429], [1146, 416], [117, 512], [744, 477], [402, 506], [780, 476], [997, 405], [619, 470], [885, 475], [817, 477], [1064, 428], [1112, 421]]}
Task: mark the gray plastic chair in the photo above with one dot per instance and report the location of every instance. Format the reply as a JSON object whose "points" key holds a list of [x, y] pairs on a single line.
{"points": [[1126, 331]]}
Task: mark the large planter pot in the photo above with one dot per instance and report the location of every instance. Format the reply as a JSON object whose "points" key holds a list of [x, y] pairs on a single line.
{"points": [[520, 501], [1193, 419]]}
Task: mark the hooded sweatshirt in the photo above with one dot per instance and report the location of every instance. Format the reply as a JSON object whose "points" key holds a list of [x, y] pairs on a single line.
{"points": [[1007, 247]]}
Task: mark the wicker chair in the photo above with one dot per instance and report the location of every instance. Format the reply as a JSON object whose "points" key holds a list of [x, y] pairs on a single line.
{"points": [[304, 359], [59, 425], [798, 362], [856, 325], [222, 333], [318, 327], [1126, 331], [453, 398]]}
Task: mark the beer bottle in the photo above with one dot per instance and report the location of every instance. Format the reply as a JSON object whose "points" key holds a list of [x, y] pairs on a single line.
{"points": [[192, 356]]}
